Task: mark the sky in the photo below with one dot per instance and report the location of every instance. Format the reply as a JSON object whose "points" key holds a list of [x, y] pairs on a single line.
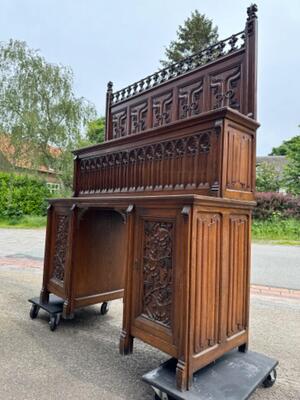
{"points": [[123, 41]]}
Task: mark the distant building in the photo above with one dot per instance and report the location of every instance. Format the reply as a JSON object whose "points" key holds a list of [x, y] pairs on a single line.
{"points": [[278, 162], [23, 165]]}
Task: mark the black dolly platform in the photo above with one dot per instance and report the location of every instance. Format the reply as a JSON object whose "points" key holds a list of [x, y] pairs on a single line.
{"points": [[54, 308], [235, 376]]}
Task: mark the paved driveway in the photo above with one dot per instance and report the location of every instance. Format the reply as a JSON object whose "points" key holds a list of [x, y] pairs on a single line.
{"points": [[277, 266], [22, 243], [80, 361]]}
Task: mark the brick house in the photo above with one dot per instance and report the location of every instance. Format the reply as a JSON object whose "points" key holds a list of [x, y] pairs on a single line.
{"points": [[22, 165]]}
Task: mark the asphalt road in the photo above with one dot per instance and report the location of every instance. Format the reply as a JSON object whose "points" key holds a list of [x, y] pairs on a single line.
{"points": [[80, 360], [277, 266]]}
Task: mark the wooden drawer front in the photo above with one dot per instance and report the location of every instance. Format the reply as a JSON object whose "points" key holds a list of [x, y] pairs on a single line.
{"points": [[238, 274]]}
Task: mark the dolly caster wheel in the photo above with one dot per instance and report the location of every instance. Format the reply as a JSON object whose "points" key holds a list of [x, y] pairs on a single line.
{"points": [[34, 311], [104, 308], [162, 396], [53, 323], [270, 379]]}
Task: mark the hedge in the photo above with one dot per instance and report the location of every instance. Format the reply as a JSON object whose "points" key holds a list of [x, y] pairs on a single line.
{"points": [[22, 195], [270, 205]]}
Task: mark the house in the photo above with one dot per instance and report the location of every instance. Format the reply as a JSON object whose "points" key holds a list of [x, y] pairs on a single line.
{"points": [[9, 163], [277, 162]]}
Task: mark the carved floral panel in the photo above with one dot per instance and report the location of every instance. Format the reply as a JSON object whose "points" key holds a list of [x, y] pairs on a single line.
{"points": [[60, 249], [158, 271]]}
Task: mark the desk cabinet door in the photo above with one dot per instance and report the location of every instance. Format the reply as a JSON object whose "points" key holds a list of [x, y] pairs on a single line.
{"points": [[156, 276]]}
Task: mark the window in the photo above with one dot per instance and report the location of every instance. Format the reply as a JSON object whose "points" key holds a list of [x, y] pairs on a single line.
{"points": [[53, 187]]}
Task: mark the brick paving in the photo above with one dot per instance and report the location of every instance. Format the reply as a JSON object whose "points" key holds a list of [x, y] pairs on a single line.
{"points": [[80, 360], [23, 263]]}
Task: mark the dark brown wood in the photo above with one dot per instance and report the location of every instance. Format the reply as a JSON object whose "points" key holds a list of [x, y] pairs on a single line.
{"points": [[161, 211], [221, 75], [210, 154], [86, 254]]}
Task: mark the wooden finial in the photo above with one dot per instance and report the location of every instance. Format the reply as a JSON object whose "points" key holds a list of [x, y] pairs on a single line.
{"points": [[251, 12], [109, 86]]}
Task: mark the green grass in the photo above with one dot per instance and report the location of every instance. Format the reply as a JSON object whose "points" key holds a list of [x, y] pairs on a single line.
{"points": [[276, 231], [279, 231], [28, 221]]}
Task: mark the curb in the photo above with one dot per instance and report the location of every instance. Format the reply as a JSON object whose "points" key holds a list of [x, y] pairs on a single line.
{"points": [[254, 289], [275, 291]]}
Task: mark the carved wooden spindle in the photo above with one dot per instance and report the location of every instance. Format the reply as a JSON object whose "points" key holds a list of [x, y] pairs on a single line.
{"points": [[148, 82], [155, 79], [232, 43], [163, 74], [134, 87], [141, 85], [220, 49]]}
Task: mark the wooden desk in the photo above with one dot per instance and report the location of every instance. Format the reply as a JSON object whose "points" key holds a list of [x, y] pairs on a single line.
{"points": [[162, 209]]}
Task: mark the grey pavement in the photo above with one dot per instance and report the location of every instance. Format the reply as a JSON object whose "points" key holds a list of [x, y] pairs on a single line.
{"points": [[26, 243], [80, 360], [277, 266]]}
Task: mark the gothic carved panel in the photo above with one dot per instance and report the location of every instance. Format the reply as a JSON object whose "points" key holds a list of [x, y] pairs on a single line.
{"points": [[162, 109], [119, 124], [138, 116], [60, 248], [225, 89], [149, 166], [239, 161], [158, 271], [207, 281], [238, 274], [190, 100]]}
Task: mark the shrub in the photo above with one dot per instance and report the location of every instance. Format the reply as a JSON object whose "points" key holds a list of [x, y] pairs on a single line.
{"points": [[270, 205], [22, 195]]}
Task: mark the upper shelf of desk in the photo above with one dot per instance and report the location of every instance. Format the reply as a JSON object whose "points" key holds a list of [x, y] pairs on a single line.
{"points": [[221, 75]]}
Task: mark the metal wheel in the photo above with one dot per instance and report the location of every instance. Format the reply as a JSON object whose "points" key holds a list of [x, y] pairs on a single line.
{"points": [[34, 311], [104, 308], [159, 395], [270, 379], [53, 323]]}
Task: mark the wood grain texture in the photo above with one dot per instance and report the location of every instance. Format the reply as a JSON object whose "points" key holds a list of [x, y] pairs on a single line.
{"points": [[207, 281], [161, 211]]}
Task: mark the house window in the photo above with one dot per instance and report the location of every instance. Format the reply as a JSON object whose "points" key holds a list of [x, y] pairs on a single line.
{"points": [[53, 187]]}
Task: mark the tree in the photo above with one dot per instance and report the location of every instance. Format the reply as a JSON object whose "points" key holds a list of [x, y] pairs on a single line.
{"points": [[38, 108], [267, 179], [292, 169], [95, 130], [287, 145], [194, 35]]}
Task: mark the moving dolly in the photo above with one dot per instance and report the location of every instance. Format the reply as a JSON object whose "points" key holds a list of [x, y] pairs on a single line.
{"points": [[235, 376], [54, 308]]}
